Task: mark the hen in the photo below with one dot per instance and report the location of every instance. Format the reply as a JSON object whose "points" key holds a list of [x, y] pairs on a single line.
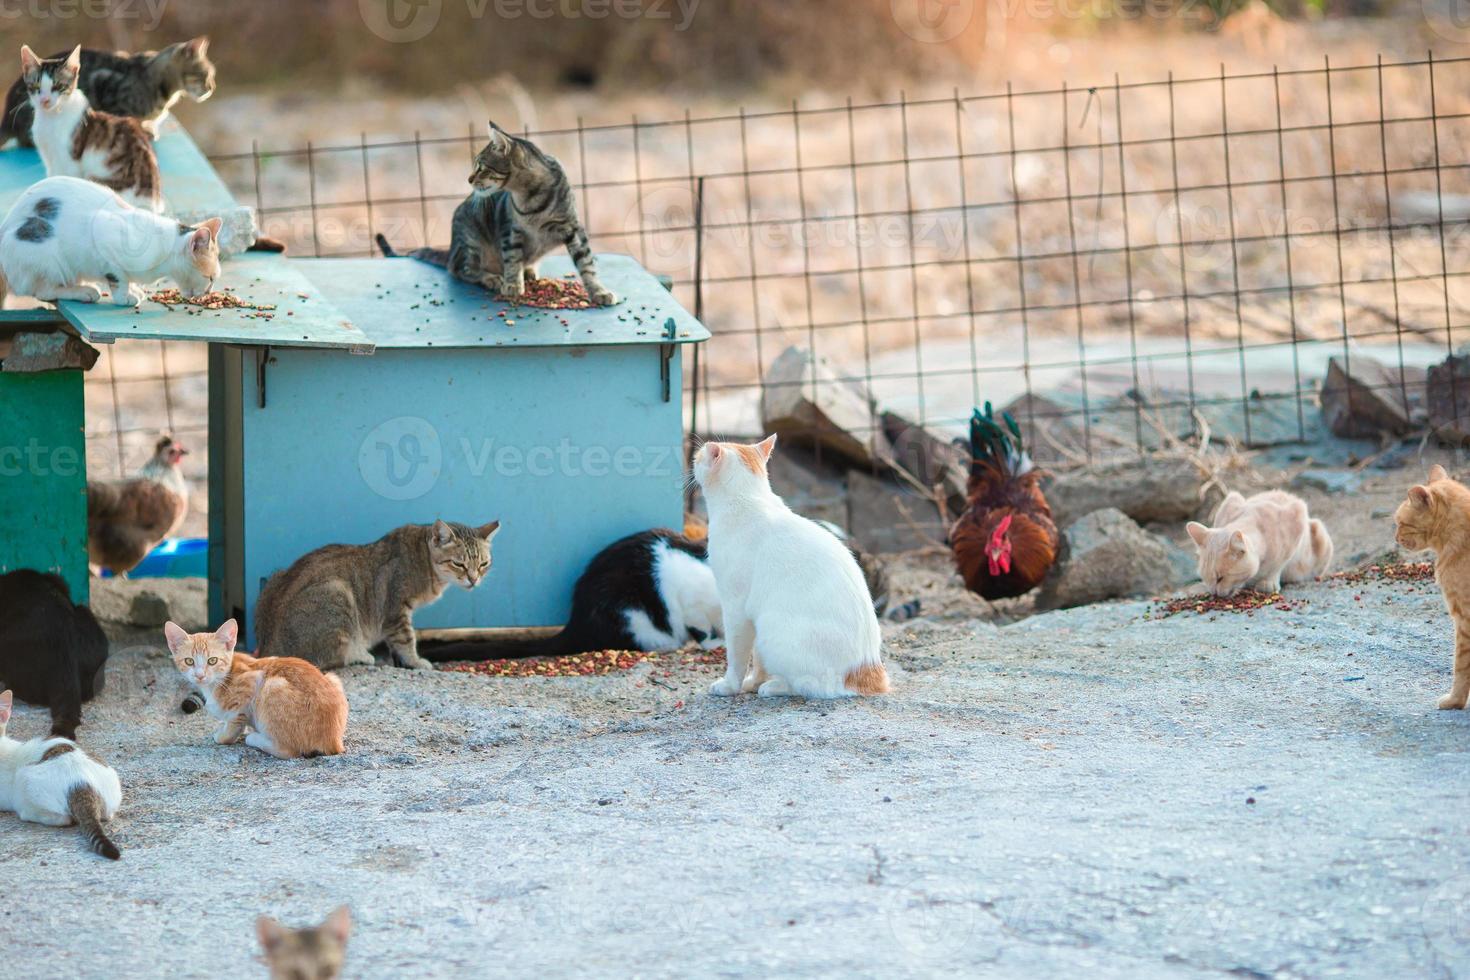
{"points": [[1005, 542], [126, 519]]}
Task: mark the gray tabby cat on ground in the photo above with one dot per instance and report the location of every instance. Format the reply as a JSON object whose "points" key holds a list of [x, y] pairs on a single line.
{"points": [[335, 604], [521, 210]]}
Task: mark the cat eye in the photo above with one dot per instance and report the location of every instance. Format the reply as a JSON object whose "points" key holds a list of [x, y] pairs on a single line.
{"points": [[213, 661], [188, 661]]}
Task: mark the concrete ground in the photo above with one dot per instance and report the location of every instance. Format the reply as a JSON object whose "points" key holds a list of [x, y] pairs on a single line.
{"points": [[1090, 792]]}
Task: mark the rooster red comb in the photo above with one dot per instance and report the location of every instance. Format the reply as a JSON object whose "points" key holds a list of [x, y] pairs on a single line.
{"points": [[1001, 528]]}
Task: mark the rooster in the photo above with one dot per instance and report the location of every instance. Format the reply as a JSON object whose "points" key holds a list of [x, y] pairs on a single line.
{"points": [[126, 519], [1005, 542]]}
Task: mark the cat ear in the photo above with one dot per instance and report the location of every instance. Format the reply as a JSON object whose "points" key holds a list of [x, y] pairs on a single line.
{"points": [[1198, 532], [715, 449], [270, 932], [198, 47], [1420, 495], [228, 634], [1237, 541], [443, 533], [204, 234], [6, 700], [28, 60], [766, 446], [1437, 472], [489, 531], [174, 634], [74, 60], [339, 924]]}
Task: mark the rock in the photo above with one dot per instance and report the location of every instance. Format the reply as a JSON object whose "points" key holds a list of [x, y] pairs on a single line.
{"points": [[1328, 481], [887, 517], [1105, 555], [149, 610], [1448, 398], [1367, 399], [929, 459], [807, 403], [812, 490], [1048, 421], [32, 352], [1147, 490]]}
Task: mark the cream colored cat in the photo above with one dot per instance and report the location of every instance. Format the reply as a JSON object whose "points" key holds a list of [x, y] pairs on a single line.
{"points": [[1437, 517], [1260, 543]]}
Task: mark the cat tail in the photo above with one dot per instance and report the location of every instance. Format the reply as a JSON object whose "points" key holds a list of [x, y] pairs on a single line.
{"points": [[1322, 549], [85, 804], [433, 256], [556, 645], [867, 679]]}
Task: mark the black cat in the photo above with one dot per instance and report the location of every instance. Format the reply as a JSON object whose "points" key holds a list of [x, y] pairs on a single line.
{"points": [[52, 651]]}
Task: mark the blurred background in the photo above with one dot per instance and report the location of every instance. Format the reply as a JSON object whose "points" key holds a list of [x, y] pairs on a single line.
{"points": [[1079, 207]]}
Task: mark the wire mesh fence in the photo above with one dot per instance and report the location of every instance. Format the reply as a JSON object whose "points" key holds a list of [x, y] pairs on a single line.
{"points": [[1122, 264]]}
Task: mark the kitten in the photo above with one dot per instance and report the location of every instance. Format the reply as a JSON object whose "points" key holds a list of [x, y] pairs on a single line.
{"points": [[53, 782], [64, 235], [144, 86], [1260, 543], [75, 140], [649, 591], [333, 605], [787, 587], [291, 709], [521, 210], [313, 953], [52, 652], [1436, 517]]}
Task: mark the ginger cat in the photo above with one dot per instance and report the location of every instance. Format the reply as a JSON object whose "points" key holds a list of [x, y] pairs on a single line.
{"points": [[294, 710], [311, 953], [1260, 543], [1437, 517]]}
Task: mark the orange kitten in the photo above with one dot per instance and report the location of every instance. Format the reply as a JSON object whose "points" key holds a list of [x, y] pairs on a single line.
{"points": [[313, 953], [293, 709], [1260, 543], [1437, 517]]}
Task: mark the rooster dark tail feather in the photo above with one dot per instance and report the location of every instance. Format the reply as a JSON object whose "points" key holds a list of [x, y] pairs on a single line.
{"points": [[995, 443]]}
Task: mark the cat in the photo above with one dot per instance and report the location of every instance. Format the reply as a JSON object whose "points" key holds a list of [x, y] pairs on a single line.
{"points": [[75, 140], [333, 605], [52, 652], [63, 235], [788, 588], [649, 591], [292, 710], [1436, 517], [313, 953], [522, 209], [144, 85], [53, 782], [1260, 543]]}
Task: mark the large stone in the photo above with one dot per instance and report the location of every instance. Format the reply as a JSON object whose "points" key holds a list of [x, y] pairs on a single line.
{"points": [[1368, 398], [33, 351], [1147, 490], [1105, 555], [149, 610], [808, 403], [1448, 398], [929, 459], [888, 517]]}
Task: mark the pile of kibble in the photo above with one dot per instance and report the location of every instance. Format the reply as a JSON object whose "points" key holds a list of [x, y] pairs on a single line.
{"points": [[1400, 571], [553, 294], [1246, 601], [582, 664], [208, 301]]}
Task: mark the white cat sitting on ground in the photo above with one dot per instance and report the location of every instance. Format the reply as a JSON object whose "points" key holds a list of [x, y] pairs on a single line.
{"points": [[65, 236], [52, 781], [1261, 543], [798, 618]]}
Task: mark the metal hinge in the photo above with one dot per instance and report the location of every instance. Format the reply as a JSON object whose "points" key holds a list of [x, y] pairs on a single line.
{"points": [[666, 356]]}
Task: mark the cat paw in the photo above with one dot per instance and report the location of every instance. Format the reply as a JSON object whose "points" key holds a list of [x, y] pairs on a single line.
{"points": [[131, 298], [412, 663], [774, 688], [602, 296], [1451, 702], [724, 688], [511, 289]]}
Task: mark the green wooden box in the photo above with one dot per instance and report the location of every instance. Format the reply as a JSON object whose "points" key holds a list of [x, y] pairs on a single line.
{"points": [[43, 476]]}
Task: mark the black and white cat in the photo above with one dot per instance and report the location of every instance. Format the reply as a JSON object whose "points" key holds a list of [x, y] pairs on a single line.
{"points": [[51, 651], [649, 591]]}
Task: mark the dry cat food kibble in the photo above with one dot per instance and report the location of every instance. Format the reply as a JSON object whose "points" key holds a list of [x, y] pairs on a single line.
{"points": [[553, 294], [209, 301], [1246, 601], [581, 664], [1401, 571]]}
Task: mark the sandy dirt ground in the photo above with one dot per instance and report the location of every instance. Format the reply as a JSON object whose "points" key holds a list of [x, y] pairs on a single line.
{"points": [[1093, 791]]}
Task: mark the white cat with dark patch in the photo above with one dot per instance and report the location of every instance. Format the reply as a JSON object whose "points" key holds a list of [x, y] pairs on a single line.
{"points": [[64, 237], [797, 614], [52, 781]]}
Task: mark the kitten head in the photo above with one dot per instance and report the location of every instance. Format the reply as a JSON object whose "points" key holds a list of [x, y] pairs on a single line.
{"points": [[50, 82], [197, 265], [204, 658], [313, 953], [1419, 523], [733, 468], [188, 62], [499, 161], [1227, 559], [7, 701], [461, 554]]}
